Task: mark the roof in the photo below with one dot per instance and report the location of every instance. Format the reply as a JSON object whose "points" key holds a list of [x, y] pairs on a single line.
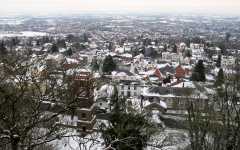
{"points": [[161, 105], [126, 55], [188, 84], [167, 69], [123, 72], [170, 90], [180, 72], [70, 61], [158, 74]]}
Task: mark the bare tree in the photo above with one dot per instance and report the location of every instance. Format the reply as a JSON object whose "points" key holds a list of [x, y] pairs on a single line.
{"points": [[218, 127], [31, 101]]}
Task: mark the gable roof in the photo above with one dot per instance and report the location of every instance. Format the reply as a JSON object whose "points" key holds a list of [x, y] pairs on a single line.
{"points": [[158, 74], [160, 106], [167, 69], [180, 72]]}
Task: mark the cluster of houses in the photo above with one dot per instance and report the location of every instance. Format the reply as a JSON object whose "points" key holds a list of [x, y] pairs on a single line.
{"points": [[157, 78], [162, 82]]}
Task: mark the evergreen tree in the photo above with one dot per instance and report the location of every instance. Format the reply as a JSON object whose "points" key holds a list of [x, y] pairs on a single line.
{"points": [[110, 46], [70, 38], [3, 49], [61, 43], [197, 40], [14, 41], [219, 60], [85, 37], [220, 78], [143, 50], [165, 47], [126, 131], [134, 52], [37, 43], [199, 72], [69, 52], [188, 42], [227, 36], [156, 42], [94, 65], [54, 49], [174, 48], [108, 64], [45, 39], [147, 42], [223, 48], [188, 53], [76, 45]]}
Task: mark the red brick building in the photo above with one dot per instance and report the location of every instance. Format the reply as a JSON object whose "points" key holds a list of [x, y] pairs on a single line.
{"points": [[85, 102], [180, 72]]}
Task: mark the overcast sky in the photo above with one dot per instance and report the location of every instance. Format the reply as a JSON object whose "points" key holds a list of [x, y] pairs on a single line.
{"points": [[138, 6]]}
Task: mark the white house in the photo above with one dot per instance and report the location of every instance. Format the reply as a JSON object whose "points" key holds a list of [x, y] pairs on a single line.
{"points": [[129, 88], [172, 57], [228, 61]]}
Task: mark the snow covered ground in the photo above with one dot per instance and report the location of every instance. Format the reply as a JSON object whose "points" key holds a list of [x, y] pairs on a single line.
{"points": [[90, 142], [164, 139], [23, 34], [169, 139]]}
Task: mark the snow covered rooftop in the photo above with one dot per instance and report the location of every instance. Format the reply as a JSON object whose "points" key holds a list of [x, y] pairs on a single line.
{"points": [[188, 84], [70, 61], [126, 55]]}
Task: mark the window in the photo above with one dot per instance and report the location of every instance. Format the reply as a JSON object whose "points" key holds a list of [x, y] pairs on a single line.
{"points": [[128, 94], [84, 129], [134, 87], [83, 115], [100, 104]]}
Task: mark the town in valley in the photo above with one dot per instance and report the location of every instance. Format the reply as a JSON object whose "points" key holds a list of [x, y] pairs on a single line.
{"points": [[119, 81]]}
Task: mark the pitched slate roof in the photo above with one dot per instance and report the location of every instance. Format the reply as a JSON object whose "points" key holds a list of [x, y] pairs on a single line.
{"points": [[171, 90], [167, 69]]}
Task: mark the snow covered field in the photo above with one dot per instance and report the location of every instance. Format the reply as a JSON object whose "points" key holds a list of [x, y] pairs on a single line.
{"points": [[23, 34], [11, 21]]}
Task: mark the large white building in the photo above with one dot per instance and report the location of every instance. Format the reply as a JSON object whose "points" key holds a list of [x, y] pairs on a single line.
{"points": [[129, 88], [172, 57], [228, 61]]}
